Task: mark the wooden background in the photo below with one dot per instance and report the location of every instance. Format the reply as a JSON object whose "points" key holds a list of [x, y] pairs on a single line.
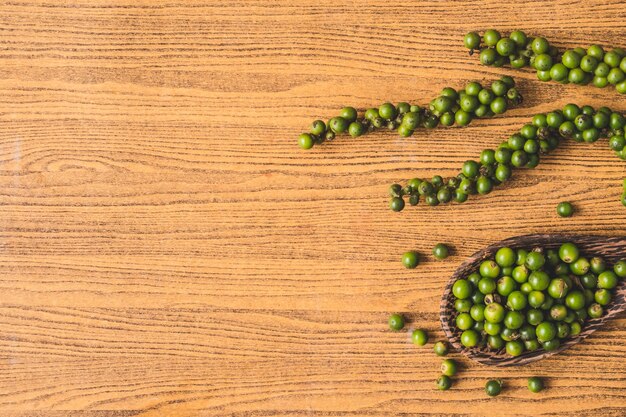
{"points": [[167, 249]]}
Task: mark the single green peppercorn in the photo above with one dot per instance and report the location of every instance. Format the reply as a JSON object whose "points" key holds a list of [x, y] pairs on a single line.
{"points": [[338, 124], [580, 266], [488, 56], [419, 337], [535, 260], [607, 280], [464, 321], [493, 387], [486, 286], [396, 204], [463, 305], [440, 251], [305, 141], [484, 185], [349, 114], [514, 347], [620, 269], [569, 253], [534, 316], [356, 129], [462, 289], [444, 382], [410, 259], [551, 345], [602, 297], [545, 331], [565, 209], [498, 105], [470, 338], [387, 111], [595, 311], [494, 313], [396, 322], [448, 367], [441, 348], [318, 127], [575, 300], [535, 384], [403, 107], [539, 280], [472, 40], [489, 269]]}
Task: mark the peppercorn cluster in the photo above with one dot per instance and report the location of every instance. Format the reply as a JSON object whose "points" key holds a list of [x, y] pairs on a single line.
{"points": [[580, 66], [524, 300], [451, 107], [523, 149]]}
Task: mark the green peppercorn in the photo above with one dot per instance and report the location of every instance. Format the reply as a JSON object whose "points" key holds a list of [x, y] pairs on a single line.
{"points": [[565, 209], [419, 337], [494, 313], [602, 297], [505, 257], [575, 300], [569, 253], [488, 56], [444, 382], [607, 280], [498, 105], [396, 204], [470, 338], [387, 111], [535, 260], [448, 367], [595, 311], [484, 185], [620, 269], [441, 348], [305, 141], [575, 328], [493, 387], [396, 322], [462, 289], [463, 305], [534, 316], [371, 114], [338, 124], [472, 40], [519, 38], [403, 107], [559, 72], [580, 266], [356, 129], [410, 260], [545, 331], [440, 251], [535, 384], [489, 269]]}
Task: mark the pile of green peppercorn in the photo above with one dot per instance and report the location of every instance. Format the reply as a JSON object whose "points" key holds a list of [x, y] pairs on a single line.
{"points": [[527, 300], [452, 106], [577, 66], [523, 149]]}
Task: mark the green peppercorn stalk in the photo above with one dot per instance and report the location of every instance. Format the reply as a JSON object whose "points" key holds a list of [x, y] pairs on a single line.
{"points": [[450, 107], [580, 66], [528, 299], [522, 149]]}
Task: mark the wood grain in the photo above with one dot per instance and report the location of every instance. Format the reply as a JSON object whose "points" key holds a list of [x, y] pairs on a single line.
{"points": [[166, 249]]}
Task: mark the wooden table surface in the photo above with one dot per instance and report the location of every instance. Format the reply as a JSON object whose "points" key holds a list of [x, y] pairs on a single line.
{"points": [[168, 250]]}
